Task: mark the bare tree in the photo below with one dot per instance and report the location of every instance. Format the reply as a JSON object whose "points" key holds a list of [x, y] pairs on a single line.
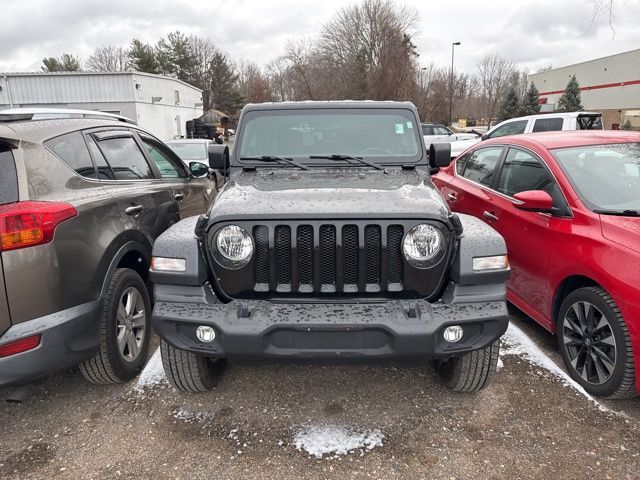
{"points": [[252, 84], [108, 59], [299, 54], [494, 74]]}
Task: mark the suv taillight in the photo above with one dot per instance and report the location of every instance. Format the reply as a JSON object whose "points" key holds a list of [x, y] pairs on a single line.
{"points": [[25, 224]]}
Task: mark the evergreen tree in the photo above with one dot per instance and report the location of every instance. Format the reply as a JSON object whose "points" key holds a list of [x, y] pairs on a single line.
{"points": [[175, 57], [530, 105], [510, 106], [627, 125], [570, 99], [142, 57], [65, 63], [222, 79]]}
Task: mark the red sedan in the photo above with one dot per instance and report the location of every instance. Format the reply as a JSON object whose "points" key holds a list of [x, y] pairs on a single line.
{"points": [[568, 206]]}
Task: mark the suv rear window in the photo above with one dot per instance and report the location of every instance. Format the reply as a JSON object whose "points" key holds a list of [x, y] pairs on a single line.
{"points": [[548, 124], [8, 177], [72, 150]]}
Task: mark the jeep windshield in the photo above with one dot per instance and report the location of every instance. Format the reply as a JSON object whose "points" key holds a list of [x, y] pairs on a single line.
{"points": [[606, 177], [320, 136]]}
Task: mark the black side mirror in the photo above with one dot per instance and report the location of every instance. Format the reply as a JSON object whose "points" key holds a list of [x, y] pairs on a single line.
{"points": [[484, 137], [440, 155], [219, 158], [198, 169]]}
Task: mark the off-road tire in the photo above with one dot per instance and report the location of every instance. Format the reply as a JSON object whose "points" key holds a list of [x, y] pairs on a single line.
{"points": [[189, 372], [470, 372], [621, 384], [107, 366]]}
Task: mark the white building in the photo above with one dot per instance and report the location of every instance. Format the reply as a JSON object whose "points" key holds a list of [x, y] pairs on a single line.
{"points": [[610, 85], [159, 104]]}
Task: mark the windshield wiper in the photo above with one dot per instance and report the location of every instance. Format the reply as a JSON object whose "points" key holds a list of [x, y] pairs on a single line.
{"points": [[622, 213], [275, 158], [337, 156]]}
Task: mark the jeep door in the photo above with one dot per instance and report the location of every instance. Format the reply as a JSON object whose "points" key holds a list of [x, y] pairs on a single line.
{"points": [[147, 205], [193, 195], [8, 194]]}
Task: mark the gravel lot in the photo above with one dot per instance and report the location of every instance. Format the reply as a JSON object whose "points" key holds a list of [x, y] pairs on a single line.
{"points": [[274, 421]]}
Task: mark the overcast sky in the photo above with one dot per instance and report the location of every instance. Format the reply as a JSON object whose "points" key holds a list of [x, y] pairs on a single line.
{"points": [[532, 33]]}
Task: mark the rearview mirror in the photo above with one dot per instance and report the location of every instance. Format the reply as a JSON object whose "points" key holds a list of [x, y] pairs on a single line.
{"points": [[440, 155], [533, 201], [198, 169], [219, 158]]}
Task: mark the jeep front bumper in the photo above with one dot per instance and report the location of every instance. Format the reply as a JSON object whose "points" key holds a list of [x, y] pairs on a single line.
{"points": [[262, 329]]}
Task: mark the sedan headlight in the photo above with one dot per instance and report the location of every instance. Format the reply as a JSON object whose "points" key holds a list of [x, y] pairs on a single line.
{"points": [[235, 246], [423, 246]]}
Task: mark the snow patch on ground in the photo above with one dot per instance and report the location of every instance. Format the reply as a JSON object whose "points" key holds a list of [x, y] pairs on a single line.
{"points": [[320, 440], [152, 375], [516, 342], [192, 417]]}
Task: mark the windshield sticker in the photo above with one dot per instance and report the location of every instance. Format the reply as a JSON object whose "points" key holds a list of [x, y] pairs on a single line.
{"points": [[409, 125], [399, 128]]}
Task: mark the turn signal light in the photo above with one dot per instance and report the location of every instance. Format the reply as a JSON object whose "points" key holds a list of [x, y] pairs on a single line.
{"points": [[25, 224], [19, 346]]}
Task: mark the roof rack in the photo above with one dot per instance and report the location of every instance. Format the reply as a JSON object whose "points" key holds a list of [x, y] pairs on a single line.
{"points": [[22, 114]]}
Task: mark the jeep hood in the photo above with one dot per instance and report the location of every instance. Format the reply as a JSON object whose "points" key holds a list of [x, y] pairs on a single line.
{"points": [[329, 193]]}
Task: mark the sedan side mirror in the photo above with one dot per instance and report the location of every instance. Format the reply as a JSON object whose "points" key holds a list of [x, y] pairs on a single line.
{"points": [[533, 201], [440, 155], [198, 169], [219, 158], [484, 137]]}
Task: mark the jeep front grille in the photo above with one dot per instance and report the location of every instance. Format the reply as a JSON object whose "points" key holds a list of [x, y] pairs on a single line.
{"points": [[328, 258]]}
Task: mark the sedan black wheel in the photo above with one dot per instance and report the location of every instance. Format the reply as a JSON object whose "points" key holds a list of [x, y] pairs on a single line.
{"points": [[595, 344]]}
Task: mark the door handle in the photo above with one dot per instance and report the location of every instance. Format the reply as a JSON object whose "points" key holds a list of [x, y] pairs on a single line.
{"points": [[490, 216], [134, 210], [452, 197], [179, 196]]}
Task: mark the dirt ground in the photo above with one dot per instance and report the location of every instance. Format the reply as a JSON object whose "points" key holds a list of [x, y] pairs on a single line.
{"points": [[527, 424]]}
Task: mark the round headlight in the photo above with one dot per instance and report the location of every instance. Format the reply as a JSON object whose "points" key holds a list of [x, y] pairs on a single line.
{"points": [[423, 245], [234, 244]]}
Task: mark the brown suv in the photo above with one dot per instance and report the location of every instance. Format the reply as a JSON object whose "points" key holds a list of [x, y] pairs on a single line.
{"points": [[83, 196]]}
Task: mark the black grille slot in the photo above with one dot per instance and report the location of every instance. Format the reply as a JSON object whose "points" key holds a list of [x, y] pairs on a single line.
{"points": [[350, 253], [327, 254], [305, 254], [261, 264], [394, 253], [373, 248], [283, 254]]}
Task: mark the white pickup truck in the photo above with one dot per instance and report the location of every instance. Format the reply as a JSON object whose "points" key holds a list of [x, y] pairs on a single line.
{"points": [[544, 122]]}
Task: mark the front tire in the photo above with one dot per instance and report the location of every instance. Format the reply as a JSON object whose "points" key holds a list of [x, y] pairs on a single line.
{"points": [[470, 372], [189, 372], [594, 342], [124, 331]]}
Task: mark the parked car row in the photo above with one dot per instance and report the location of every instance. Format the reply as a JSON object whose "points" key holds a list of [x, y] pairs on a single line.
{"points": [[83, 196], [568, 206]]}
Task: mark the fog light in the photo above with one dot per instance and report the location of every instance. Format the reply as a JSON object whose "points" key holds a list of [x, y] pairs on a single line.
{"points": [[453, 333], [205, 334]]}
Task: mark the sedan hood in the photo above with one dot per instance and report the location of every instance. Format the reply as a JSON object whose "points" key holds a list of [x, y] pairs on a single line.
{"points": [[329, 193], [622, 230]]}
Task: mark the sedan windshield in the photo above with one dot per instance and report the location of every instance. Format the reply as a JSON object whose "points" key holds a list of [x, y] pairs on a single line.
{"points": [[190, 151], [606, 177], [384, 135]]}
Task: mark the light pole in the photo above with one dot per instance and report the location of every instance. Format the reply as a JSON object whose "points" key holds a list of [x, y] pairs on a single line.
{"points": [[453, 46]]}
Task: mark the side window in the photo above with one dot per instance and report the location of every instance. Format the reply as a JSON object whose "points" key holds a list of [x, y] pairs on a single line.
{"points": [[125, 158], [523, 171], [511, 128], [481, 165], [427, 130], [162, 159], [72, 150], [104, 170], [8, 177], [441, 131], [548, 124], [461, 162]]}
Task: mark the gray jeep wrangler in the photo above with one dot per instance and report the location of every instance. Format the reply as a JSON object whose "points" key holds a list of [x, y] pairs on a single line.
{"points": [[329, 242]]}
